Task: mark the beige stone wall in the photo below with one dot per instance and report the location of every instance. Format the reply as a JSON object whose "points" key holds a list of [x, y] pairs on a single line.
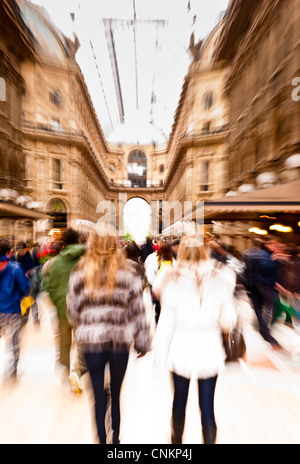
{"points": [[117, 163], [264, 119], [65, 153], [198, 154], [15, 46]]}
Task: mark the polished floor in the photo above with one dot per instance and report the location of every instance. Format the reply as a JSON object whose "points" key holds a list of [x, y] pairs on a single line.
{"points": [[257, 401]]}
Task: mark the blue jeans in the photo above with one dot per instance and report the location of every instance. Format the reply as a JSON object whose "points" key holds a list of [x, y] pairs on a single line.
{"points": [[207, 390], [96, 363]]}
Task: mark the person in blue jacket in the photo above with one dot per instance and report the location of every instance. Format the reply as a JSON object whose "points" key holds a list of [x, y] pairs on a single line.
{"points": [[14, 285]]}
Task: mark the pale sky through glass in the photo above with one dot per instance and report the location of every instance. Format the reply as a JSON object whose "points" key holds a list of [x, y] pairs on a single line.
{"points": [[152, 74], [137, 219]]}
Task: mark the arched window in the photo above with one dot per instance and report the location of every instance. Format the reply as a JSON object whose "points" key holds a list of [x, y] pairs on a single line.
{"points": [[58, 210], [137, 169], [56, 206]]}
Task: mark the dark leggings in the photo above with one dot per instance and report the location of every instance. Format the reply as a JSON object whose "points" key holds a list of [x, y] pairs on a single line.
{"points": [[96, 363], [207, 389]]}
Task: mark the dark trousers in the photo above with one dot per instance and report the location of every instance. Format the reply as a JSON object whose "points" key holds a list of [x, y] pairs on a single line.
{"points": [[96, 363], [157, 311], [207, 390], [263, 299], [157, 306]]}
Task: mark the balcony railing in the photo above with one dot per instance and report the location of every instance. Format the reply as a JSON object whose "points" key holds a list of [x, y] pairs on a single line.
{"points": [[206, 132], [58, 130], [61, 131], [151, 184]]}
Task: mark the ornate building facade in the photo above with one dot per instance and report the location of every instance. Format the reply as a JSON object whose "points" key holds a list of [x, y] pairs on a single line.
{"points": [[197, 151], [260, 44], [65, 153], [235, 128], [68, 168], [136, 166], [136, 172], [16, 45]]}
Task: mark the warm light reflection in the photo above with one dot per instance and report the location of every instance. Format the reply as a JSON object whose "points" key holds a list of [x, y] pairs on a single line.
{"points": [[281, 228], [256, 230]]}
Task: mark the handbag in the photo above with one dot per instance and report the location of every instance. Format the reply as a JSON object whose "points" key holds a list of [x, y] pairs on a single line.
{"points": [[234, 342], [234, 345]]}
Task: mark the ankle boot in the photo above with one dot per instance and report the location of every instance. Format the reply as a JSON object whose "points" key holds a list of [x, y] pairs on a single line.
{"points": [[176, 440], [209, 435], [116, 438], [177, 433]]}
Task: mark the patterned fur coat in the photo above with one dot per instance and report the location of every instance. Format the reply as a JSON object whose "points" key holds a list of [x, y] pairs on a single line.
{"points": [[114, 325]]}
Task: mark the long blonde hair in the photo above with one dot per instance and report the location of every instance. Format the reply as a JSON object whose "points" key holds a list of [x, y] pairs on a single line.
{"points": [[102, 261], [191, 254], [192, 251]]}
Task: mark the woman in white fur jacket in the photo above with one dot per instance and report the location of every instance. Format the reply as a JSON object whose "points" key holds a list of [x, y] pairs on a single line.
{"points": [[197, 300]]}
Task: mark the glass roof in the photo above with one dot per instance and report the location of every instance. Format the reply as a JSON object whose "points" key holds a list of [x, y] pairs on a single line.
{"points": [[134, 57]]}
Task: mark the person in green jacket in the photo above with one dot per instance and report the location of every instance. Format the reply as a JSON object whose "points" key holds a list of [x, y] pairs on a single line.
{"points": [[56, 284]]}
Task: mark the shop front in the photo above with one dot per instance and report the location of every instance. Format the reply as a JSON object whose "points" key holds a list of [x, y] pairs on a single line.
{"points": [[22, 224], [272, 211]]}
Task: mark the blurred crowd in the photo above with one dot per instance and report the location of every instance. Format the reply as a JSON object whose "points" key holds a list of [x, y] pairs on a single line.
{"points": [[97, 290]]}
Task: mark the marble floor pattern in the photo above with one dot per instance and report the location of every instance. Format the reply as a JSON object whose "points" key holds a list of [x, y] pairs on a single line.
{"points": [[257, 400]]}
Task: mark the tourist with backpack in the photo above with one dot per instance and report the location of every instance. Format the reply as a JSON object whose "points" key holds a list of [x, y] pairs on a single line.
{"points": [[29, 261]]}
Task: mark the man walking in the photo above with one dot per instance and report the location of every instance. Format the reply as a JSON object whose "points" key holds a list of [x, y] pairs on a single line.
{"points": [[260, 279], [56, 284]]}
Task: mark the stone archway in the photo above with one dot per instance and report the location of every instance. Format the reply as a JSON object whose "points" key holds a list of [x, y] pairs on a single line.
{"points": [[58, 210], [146, 198], [137, 218]]}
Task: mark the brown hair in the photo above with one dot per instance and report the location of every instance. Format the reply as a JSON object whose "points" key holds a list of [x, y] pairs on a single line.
{"points": [[165, 253], [102, 261], [5, 247]]}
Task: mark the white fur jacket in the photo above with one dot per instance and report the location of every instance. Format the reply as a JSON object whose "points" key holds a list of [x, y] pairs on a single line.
{"points": [[109, 326], [197, 304]]}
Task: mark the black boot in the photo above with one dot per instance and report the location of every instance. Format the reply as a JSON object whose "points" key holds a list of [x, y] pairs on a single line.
{"points": [[177, 433], [176, 440], [116, 439], [209, 435]]}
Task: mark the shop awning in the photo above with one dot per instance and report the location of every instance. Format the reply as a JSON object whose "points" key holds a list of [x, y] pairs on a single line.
{"points": [[11, 211], [284, 198]]}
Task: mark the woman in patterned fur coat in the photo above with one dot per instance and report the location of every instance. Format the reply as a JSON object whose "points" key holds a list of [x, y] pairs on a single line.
{"points": [[105, 305]]}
